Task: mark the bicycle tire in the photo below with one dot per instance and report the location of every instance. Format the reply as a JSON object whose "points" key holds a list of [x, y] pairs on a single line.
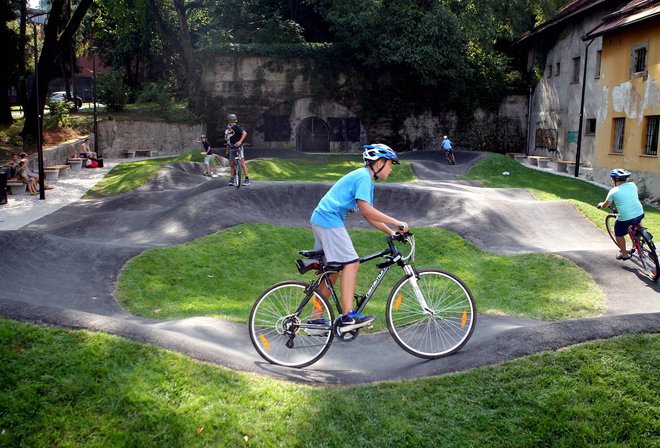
{"points": [[648, 257], [238, 171], [431, 336], [609, 224], [273, 312]]}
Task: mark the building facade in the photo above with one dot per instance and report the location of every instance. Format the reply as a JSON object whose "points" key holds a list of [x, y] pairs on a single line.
{"points": [[628, 124]]}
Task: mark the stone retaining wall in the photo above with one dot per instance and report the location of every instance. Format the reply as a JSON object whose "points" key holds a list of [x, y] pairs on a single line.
{"points": [[167, 138], [57, 155]]}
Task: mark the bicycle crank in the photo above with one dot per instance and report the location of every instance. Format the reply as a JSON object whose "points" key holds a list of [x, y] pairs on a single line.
{"points": [[344, 336]]}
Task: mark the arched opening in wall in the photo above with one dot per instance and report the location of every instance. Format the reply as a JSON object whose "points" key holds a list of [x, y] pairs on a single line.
{"points": [[313, 135]]}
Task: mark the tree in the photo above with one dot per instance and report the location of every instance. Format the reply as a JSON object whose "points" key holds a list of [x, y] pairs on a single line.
{"points": [[11, 58], [54, 42]]}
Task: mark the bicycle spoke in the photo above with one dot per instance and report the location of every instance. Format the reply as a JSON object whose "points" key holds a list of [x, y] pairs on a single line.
{"points": [[439, 333]]}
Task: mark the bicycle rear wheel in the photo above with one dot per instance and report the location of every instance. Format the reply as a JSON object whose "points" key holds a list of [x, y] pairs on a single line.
{"points": [[288, 339], [609, 224], [442, 330], [238, 171], [648, 256]]}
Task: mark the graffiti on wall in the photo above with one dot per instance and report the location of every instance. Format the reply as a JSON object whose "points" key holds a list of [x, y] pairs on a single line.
{"points": [[546, 138]]}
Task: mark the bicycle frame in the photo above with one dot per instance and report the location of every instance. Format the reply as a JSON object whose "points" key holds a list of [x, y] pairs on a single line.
{"points": [[394, 257]]}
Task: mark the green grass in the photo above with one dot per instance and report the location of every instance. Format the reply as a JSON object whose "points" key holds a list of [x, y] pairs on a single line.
{"points": [[128, 176], [193, 280], [549, 187], [83, 389], [324, 169]]}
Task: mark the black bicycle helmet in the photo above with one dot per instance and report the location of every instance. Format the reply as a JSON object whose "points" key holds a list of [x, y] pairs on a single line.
{"points": [[620, 174]]}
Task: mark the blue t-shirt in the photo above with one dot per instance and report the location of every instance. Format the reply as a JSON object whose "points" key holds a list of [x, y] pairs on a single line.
{"points": [[626, 199], [342, 198], [446, 144]]}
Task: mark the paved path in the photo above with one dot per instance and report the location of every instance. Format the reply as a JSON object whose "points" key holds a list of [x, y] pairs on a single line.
{"points": [[81, 248]]}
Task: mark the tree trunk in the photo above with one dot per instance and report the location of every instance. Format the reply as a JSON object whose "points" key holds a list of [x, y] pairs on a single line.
{"points": [[49, 52]]}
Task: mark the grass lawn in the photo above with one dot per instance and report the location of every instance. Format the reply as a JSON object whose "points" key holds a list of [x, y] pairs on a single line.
{"points": [[199, 278], [83, 389], [549, 187]]}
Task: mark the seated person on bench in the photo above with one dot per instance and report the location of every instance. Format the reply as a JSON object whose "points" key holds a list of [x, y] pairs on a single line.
{"points": [[86, 152]]}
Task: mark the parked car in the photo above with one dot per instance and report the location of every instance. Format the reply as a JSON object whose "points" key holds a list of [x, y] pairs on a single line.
{"points": [[56, 97]]}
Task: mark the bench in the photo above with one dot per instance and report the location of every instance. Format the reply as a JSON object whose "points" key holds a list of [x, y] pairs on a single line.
{"points": [[131, 153], [52, 175], [540, 161], [563, 166], [516, 155], [62, 169], [17, 188], [76, 164]]}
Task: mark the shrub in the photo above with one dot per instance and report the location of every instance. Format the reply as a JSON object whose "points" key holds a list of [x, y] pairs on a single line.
{"points": [[112, 91], [156, 93], [59, 114]]}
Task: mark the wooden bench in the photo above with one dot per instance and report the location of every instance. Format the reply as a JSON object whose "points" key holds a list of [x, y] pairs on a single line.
{"points": [[76, 164], [563, 166], [62, 169], [131, 153], [538, 160], [516, 155], [17, 187]]}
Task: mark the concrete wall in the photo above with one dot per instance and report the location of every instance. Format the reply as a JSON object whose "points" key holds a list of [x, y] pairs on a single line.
{"points": [[275, 100], [56, 155], [633, 97], [168, 138]]}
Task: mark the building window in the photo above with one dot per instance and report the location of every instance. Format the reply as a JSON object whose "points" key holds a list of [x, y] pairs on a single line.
{"points": [[638, 61], [549, 70], [591, 126], [619, 129], [652, 129], [599, 58], [576, 70], [557, 68]]}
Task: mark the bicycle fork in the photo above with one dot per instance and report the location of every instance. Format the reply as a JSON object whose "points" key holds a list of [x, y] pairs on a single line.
{"points": [[412, 278]]}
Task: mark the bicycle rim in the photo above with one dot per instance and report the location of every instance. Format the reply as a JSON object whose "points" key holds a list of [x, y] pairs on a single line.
{"points": [[648, 257], [237, 176], [609, 224], [272, 316], [437, 334]]}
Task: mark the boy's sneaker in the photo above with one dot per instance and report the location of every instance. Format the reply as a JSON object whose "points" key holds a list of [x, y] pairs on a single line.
{"points": [[246, 182], [231, 182], [353, 321], [317, 331]]}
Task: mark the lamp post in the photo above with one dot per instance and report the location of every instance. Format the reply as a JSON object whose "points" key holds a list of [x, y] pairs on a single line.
{"points": [[96, 132], [579, 136], [40, 152]]}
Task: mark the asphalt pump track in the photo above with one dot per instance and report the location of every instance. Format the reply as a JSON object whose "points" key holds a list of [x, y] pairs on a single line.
{"points": [[62, 269]]}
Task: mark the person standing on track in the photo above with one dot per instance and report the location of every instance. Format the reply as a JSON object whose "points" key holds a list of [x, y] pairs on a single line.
{"points": [[353, 192], [208, 152], [235, 136], [625, 197]]}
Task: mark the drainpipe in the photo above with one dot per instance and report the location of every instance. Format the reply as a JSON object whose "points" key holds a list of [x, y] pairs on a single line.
{"points": [[584, 85]]}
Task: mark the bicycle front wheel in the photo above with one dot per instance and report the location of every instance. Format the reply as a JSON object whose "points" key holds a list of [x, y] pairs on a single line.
{"points": [[238, 171], [282, 336], [609, 224], [648, 257], [441, 329]]}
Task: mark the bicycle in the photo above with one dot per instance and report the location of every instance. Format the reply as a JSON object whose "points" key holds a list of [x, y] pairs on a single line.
{"points": [[430, 313], [238, 166], [642, 244]]}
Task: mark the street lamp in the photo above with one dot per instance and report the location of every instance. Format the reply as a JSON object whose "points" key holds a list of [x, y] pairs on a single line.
{"points": [[96, 132], [40, 152]]}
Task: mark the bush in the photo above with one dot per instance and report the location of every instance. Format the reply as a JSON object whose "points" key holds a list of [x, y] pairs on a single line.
{"points": [[112, 91], [156, 93], [59, 114]]}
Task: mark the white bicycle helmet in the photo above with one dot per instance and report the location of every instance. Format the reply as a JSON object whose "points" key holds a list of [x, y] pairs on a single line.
{"points": [[620, 174], [378, 151]]}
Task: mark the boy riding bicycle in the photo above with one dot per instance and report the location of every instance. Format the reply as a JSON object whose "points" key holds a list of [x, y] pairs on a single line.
{"points": [[626, 198], [235, 135], [353, 192]]}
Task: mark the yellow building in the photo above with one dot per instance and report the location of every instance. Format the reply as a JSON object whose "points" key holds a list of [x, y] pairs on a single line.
{"points": [[627, 128]]}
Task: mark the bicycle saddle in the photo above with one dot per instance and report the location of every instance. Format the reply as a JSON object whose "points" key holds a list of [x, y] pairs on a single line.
{"points": [[311, 253]]}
